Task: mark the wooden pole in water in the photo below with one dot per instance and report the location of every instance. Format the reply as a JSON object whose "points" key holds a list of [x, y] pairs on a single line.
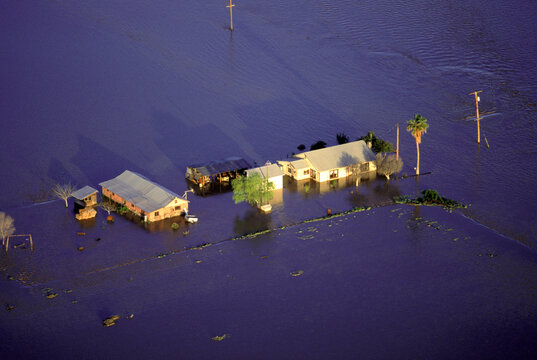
{"points": [[397, 148], [231, 14], [477, 113]]}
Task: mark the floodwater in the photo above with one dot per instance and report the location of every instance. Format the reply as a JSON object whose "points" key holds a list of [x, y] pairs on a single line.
{"points": [[89, 89]]}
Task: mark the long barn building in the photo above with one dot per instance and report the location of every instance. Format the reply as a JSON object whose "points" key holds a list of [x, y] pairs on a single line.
{"points": [[145, 198]]}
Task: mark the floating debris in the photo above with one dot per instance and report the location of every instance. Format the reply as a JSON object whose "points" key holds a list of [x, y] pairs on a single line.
{"points": [[10, 307], [263, 257], [81, 233], [51, 295], [197, 261], [74, 301], [220, 338], [111, 320], [98, 239], [67, 291], [130, 316], [297, 273], [80, 248]]}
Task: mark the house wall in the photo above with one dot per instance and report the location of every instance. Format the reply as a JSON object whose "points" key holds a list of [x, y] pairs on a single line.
{"points": [[297, 174], [91, 200], [277, 181], [174, 208], [342, 172], [160, 214]]}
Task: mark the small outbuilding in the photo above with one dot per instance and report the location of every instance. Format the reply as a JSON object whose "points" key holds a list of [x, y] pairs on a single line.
{"points": [[272, 172], [87, 196], [143, 197], [220, 171]]}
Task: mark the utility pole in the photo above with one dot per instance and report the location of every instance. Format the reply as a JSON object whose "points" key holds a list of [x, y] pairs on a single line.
{"points": [[477, 99], [397, 148], [231, 14]]}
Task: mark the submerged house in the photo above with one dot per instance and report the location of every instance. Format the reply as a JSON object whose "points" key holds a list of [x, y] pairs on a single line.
{"points": [[220, 171], [87, 196], [272, 172], [334, 162], [85, 201], [143, 197]]}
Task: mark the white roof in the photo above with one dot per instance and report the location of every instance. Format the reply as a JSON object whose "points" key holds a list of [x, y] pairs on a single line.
{"points": [[339, 156], [273, 170], [140, 191]]}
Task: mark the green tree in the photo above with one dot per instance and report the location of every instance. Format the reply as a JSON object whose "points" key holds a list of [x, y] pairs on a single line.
{"points": [[382, 146], [318, 145], [252, 189], [417, 127]]}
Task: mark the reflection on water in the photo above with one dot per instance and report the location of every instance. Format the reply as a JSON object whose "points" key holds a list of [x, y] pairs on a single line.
{"points": [[252, 221]]}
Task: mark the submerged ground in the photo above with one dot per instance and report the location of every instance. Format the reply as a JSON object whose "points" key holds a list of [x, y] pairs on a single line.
{"points": [[89, 90], [390, 282]]}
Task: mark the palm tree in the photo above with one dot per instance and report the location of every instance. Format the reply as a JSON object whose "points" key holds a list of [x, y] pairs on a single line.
{"points": [[417, 127]]}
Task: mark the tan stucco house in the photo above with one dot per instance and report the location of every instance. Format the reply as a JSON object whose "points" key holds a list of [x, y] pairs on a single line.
{"points": [[336, 162]]}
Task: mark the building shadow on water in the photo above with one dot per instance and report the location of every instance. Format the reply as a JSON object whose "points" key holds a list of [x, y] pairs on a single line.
{"points": [[253, 221]]}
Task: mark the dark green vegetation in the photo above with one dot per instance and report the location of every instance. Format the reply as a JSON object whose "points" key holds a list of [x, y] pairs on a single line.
{"points": [[252, 189], [430, 197], [342, 138], [377, 144], [318, 145]]}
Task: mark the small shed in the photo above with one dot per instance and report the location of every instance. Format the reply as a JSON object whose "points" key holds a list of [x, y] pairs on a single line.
{"points": [[87, 196], [272, 172], [216, 171]]}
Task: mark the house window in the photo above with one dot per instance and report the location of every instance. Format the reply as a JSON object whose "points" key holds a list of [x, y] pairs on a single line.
{"points": [[307, 172], [364, 167], [157, 213], [313, 174], [333, 174], [289, 169], [177, 208]]}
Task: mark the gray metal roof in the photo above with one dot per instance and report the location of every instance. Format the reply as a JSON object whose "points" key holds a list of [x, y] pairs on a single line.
{"points": [[84, 192], [338, 156], [140, 191], [273, 170], [219, 166]]}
